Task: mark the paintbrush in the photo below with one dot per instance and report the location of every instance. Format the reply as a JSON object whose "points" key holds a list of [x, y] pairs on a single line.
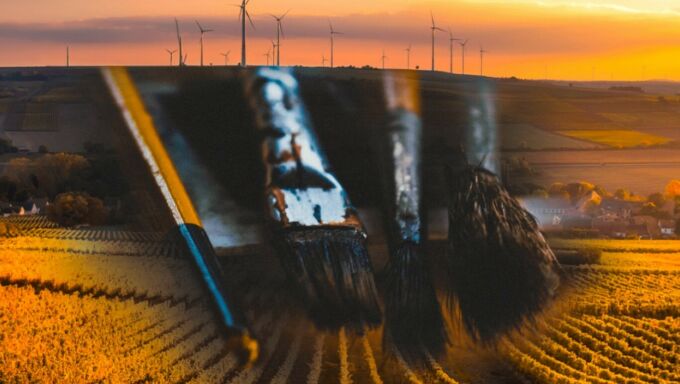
{"points": [[239, 337], [320, 239], [501, 269], [413, 317]]}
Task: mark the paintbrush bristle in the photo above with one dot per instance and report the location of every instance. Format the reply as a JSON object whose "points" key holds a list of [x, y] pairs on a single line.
{"points": [[413, 317], [501, 269], [333, 270]]}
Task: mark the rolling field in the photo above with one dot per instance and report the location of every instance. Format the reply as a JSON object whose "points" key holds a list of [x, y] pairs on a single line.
{"points": [[125, 306], [83, 312], [616, 138]]}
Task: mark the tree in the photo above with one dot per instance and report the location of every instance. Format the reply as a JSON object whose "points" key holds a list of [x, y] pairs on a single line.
{"points": [[579, 190], [672, 189], [8, 188], [73, 208], [622, 194], [42, 149], [658, 199], [649, 209], [53, 173]]}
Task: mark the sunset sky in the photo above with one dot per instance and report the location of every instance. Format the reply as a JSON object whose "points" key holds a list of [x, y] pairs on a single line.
{"points": [[560, 39]]}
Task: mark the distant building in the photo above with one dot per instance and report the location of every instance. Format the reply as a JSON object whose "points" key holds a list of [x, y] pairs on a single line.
{"points": [[667, 228], [557, 214]]}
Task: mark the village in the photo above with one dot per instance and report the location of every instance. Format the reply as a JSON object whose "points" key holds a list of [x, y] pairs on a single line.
{"points": [[591, 212]]}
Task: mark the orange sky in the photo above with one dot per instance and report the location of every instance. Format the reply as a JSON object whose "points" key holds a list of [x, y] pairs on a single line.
{"points": [[565, 39]]}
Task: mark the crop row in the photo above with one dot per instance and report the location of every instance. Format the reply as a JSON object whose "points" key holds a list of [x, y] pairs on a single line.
{"points": [[594, 349], [103, 247], [124, 275]]}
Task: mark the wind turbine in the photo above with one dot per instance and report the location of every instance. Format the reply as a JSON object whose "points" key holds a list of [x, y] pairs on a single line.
{"points": [[171, 52], [203, 31], [267, 55], [333, 32], [243, 14], [226, 58], [434, 28], [274, 47], [383, 59], [481, 60], [323, 60], [68, 57], [462, 45], [279, 33], [408, 57], [451, 40], [182, 57]]}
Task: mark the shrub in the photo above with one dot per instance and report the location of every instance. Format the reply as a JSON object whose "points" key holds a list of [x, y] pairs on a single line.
{"points": [[579, 256], [73, 208], [8, 230]]}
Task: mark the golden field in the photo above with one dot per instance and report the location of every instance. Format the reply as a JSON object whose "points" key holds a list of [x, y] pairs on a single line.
{"points": [[79, 312], [616, 138]]}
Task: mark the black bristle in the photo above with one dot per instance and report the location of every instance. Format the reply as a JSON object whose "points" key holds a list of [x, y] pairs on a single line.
{"points": [[413, 317], [332, 268], [501, 269]]}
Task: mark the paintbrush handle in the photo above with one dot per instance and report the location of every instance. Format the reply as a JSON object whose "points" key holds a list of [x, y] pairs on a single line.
{"points": [[403, 160], [300, 188], [481, 133], [402, 157]]}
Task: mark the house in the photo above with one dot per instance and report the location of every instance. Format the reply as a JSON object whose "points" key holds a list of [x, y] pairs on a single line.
{"points": [[624, 209], [554, 213], [667, 228]]}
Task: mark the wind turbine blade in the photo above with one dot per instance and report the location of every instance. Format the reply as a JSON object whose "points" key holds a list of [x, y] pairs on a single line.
{"points": [[281, 29], [432, 16], [250, 20], [330, 25], [199, 26], [209, 30]]}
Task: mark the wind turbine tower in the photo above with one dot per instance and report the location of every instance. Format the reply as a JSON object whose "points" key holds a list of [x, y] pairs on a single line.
{"points": [[323, 60], [434, 30], [408, 57], [462, 46], [383, 59], [267, 55], [203, 31], [171, 52], [68, 57], [481, 60], [451, 40], [226, 58], [274, 47], [179, 43], [279, 33], [333, 33], [243, 14]]}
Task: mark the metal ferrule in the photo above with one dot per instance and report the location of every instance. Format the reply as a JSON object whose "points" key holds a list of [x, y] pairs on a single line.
{"points": [[300, 189]]}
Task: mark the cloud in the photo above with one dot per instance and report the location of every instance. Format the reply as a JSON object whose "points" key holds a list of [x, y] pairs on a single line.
{"points": [[545, 32]]}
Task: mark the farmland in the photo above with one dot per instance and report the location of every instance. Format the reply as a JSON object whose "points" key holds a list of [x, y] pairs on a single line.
{"points": [[619, 322], [78, 308], [617, 138], [123, 304]]}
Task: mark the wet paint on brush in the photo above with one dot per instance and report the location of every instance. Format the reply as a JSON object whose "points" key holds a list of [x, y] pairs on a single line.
{"points": [[316, 229]]}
